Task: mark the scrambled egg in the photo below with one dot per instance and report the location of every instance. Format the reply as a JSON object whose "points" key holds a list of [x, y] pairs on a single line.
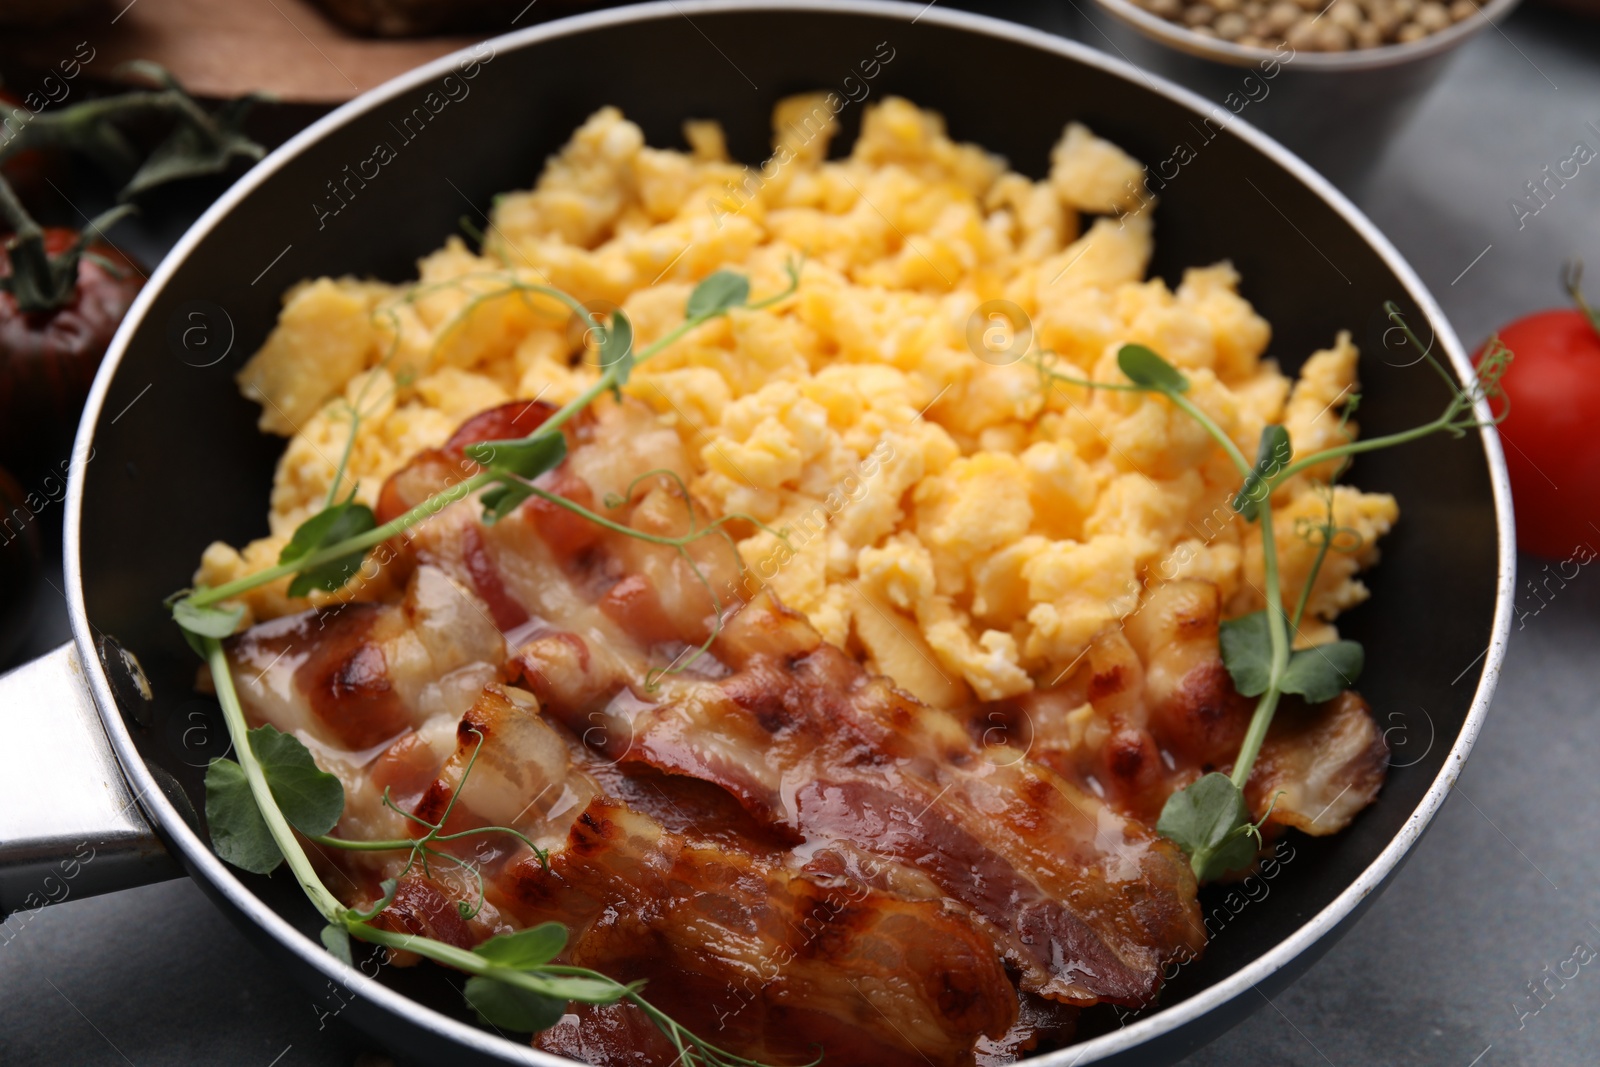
{"points": [[962, 523]]}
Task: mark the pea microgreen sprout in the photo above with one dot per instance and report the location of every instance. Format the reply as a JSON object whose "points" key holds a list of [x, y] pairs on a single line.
{"points": [[1209, 819]]}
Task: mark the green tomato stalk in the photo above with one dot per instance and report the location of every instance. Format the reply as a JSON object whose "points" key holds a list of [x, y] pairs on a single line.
{"points": [[198, 143]]}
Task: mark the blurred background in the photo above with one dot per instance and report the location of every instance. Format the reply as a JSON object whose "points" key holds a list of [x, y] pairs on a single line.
{"points": [[1467, 131]]}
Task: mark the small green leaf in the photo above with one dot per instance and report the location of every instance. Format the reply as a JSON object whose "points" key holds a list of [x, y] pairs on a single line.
{"points": [[527, 457], [510, 1008], [1246, 644], [1144, 367], [238, 832], [1235, 852], [210, 621], [1323, 672], [576, 987], [717, 293], [309, 797], [1204, 813], [525, 949], [312, 534], [1318, 674], [501, 500], [1210, 822], [1272, 455], [331, 575], [328, 527], [616, 351], [336, 939]]}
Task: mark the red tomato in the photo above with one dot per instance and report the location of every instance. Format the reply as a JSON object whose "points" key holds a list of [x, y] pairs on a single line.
{"points": [[1551, 444], [48, 358]]}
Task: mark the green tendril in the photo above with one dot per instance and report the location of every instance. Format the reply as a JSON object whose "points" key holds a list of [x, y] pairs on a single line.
{"points": [[435, 830], [1041, 364]]}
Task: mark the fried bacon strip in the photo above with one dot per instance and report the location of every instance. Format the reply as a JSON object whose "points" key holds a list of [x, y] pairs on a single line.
{"points": [[1319, 767], [375, 690], [355, 675], [1158, 685], [734, 941], [1083, 903], [790, 850], [769, 960]]}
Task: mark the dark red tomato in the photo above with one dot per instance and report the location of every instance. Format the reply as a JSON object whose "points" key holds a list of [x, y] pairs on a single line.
{"points": [[48, 358], [19, 565], [1551, 441]]}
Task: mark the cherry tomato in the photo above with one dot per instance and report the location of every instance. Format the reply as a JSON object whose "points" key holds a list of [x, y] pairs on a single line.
{"points": [[1552, 450], [48, 358]]}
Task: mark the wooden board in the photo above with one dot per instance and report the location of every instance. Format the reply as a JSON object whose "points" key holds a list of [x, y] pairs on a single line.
{"points": [[222, 48]]}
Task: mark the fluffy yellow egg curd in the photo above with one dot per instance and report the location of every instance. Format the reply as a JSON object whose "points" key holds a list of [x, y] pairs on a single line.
{"points": [[958, 520]]}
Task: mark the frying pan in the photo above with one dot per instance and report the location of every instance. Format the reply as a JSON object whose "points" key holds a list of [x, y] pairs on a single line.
{"points": [[105, 741]]}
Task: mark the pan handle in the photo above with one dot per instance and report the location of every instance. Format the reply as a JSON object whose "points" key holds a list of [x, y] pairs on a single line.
{"points": [[69, 822]]}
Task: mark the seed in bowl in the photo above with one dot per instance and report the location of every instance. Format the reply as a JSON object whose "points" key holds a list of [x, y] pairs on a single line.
{"points": [[1313, 25]]}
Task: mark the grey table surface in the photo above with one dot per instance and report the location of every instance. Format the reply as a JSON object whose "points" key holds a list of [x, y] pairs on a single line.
{"points": [[1504, 885]]}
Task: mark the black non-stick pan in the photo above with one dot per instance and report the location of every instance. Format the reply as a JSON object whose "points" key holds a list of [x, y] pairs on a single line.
{"points": [[169, 458]]}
